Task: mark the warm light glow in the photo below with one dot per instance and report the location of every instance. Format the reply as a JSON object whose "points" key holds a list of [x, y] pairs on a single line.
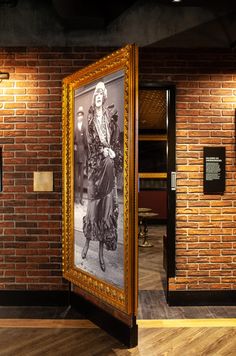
{"points": [[176, 0], [4, 75]]}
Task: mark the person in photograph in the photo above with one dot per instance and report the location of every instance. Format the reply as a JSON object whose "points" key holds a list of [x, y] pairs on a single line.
{"points": [[80, 149], [105, 161]]}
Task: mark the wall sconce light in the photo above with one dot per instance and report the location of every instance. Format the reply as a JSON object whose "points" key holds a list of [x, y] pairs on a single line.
{"points": [[4, 75]]}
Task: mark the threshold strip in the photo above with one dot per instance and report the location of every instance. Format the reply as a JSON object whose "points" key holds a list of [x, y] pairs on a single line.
{"points": [[187, 323], [47, 323], [142, 324]]}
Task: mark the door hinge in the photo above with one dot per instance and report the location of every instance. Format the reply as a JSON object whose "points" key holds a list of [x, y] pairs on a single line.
{"points": [[173, 180]]}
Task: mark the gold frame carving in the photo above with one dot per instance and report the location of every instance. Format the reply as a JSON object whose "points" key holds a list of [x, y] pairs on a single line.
{"points": [[122, 299]]}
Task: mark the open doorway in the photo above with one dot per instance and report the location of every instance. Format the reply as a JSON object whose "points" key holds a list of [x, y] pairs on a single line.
{"points": [[156, 197]]}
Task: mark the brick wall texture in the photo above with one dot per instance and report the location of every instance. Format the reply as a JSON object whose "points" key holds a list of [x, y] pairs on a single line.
{"points": [[31, 140]]}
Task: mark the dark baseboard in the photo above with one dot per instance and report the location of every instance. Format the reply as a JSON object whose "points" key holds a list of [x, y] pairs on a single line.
{"points": [[34, 298], [203, 298], [115, 327], [125, 334]]}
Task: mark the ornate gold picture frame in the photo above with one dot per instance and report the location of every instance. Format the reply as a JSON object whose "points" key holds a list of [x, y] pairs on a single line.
{"points": [[99, 179]]}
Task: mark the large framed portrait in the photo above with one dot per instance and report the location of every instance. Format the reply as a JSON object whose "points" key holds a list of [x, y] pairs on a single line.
{"points": [[99, 179]]}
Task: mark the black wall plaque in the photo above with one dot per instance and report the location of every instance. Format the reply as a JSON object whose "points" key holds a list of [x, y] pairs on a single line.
{"points": [[214, 170]]}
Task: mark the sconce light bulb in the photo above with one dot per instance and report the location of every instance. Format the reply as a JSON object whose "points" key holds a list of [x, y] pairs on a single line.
{"points": [[4, 75]]}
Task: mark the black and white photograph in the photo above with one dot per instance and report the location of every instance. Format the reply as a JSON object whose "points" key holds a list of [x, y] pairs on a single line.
{"points": [[98, 178]]}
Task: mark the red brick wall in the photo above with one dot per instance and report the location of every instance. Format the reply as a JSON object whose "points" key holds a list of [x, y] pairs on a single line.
{"points": [[30, 134], [206, 102], [31, 138]]}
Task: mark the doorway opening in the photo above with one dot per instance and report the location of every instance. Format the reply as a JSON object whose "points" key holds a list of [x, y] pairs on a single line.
{"points": [[156, 197]]}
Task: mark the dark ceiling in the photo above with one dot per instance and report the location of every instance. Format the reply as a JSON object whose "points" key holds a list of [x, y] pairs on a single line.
{"points": [[85, 14], [79, 14], [82, 14], [205, 3], [163, 23]]}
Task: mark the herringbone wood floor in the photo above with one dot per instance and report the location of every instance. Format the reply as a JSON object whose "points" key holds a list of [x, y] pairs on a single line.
{"points": [[152, 301], [151, 271], [192, 341], [82, 338]]}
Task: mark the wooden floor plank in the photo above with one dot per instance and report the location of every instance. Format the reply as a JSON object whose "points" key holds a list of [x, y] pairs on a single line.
{"points": [[47, 323], [189, 323], [187, 341], [151, 272], [86, 324], [223, 340], [152, 301]]}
